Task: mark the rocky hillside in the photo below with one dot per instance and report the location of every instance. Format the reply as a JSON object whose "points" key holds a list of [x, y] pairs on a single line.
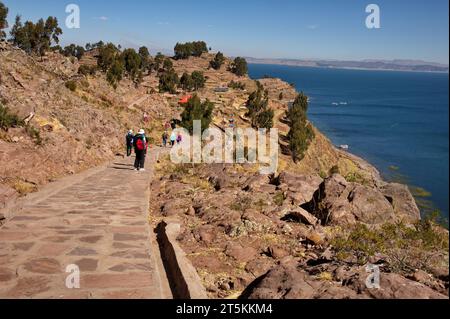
{"points": [[306, 232], [298, 236], [70, 130]]}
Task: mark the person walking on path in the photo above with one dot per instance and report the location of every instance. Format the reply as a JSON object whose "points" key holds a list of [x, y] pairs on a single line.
{"points": [[167, 126], [140, 148], [129, 142], [165, 138], [173, 138]]}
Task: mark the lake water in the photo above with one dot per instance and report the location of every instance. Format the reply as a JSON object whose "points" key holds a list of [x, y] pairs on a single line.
{"points": [[398, 121]]}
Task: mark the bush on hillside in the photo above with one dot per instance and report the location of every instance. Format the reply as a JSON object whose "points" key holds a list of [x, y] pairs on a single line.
{"points": [[168, 81], [87, 70], [236, 85], [239, 66], [218, 61], [8, 120], [115, 73], [260, 114], [71, 85], [73, 51]]}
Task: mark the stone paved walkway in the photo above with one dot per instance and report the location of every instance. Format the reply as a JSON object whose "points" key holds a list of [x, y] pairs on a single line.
{"points": [[99, 224]]}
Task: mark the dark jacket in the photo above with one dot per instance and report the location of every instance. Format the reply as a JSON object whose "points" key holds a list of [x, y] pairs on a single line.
{"points": [[129, 140]]}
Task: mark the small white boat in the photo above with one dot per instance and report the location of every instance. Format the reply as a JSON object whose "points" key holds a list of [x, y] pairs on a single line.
{"points": [[335, 103], [344, 147], [343, 103]]}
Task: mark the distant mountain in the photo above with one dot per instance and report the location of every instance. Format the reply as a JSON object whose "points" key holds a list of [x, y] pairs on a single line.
{"points": [[397, 65]]}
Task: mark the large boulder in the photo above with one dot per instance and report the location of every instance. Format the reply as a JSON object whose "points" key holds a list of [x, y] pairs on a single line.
{"points": [[338, 202], [393, 286], [402, 200], [254, 183], [287, 281], [174, 207], [300, 188], [240, 253]]}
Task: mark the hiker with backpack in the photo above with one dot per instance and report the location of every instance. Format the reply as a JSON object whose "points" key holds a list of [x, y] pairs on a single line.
{"points": [[129, 141], [140, 148]]}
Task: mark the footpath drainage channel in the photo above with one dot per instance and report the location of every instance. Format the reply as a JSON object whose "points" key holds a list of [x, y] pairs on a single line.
{"points": [[183, 279]]}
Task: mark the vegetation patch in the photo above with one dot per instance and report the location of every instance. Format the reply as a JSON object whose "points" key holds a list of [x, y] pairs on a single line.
{"points": [[8, 119], [405, 247]]}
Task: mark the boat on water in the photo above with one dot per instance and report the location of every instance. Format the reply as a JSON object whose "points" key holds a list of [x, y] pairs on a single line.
{"points": [[344, 147]]}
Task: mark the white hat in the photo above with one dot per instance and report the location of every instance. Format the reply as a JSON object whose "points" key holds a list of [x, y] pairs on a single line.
{"points": [[141, 131], [130, 131]]}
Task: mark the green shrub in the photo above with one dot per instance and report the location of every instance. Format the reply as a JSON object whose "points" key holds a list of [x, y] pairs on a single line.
{"points": [[71, 85], [35, 134], [258, 108], [8, 120], [334, 170], [239, 66], [278, 199], [355, 177], [87, 70], [241, 204], [168, 81], [406, 247], [218, 61], [236, 85]]}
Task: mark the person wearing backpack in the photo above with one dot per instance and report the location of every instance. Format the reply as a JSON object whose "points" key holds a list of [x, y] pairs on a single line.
{"points": [[129, 141], [140, 148]]}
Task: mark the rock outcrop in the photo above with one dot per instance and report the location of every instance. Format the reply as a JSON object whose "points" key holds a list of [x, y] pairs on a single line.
{"points": [[289, 281], [338, 202]]}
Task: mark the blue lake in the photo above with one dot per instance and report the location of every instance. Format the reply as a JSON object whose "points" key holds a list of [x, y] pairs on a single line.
{"points": [[398, 121]]}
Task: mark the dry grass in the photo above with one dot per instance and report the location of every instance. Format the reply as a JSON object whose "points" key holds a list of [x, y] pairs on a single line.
{"points": [[23, 187]]}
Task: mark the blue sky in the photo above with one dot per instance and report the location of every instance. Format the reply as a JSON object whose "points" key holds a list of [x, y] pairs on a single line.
{"points": [[324, 29]]}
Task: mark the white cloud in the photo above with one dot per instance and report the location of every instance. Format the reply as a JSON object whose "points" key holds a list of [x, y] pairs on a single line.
{"points": [[313, 27], [102, 18]]}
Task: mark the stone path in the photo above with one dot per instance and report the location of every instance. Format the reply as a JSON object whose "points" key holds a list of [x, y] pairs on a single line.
{"points": [[100, 224]]}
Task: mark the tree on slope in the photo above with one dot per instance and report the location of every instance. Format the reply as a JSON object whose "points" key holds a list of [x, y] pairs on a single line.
{"points": [[301, 133], [3, 21], [196, 110], [218, 61]]}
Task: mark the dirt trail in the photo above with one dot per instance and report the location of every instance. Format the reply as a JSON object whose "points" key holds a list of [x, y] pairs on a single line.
{"points": [[100, 224]]}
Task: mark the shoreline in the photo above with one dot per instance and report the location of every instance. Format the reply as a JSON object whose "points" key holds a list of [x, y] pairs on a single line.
{"points": [[346, 68]]}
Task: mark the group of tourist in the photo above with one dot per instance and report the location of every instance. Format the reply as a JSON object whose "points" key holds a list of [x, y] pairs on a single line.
{"points": [[139, 143], [173, 137]]}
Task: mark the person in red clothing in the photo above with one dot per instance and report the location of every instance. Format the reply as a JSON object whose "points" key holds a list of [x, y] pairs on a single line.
{"points": [[140, 148]]}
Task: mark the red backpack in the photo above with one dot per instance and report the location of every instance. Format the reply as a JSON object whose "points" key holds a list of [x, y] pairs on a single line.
{"points": [[140, 145]]}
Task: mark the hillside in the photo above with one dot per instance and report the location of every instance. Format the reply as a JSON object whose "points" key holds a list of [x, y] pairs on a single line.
{"points": [[303, 223], [77, 130]]}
